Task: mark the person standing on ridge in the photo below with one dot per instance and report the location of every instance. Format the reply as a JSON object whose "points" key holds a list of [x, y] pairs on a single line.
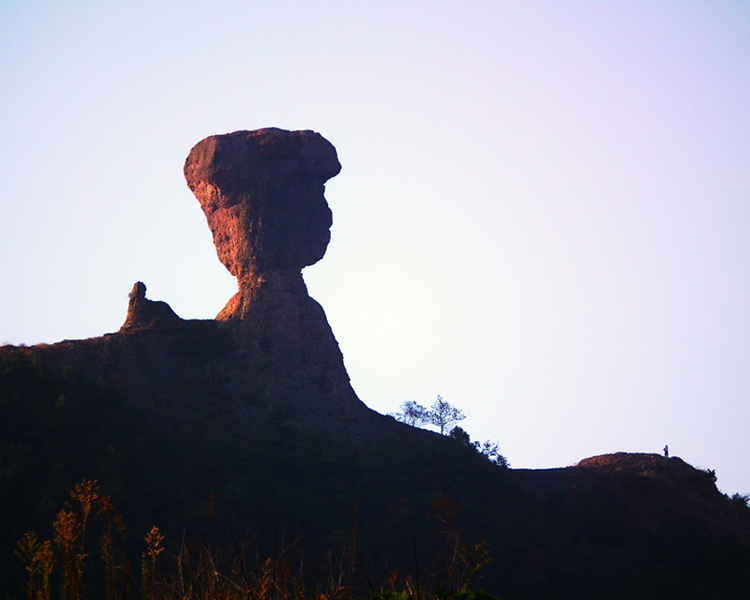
{"points": [[666, 451]]}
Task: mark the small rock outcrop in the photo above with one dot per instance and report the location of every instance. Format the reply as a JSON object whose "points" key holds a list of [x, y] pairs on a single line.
{"points": [[262, 194], [147, 314]]}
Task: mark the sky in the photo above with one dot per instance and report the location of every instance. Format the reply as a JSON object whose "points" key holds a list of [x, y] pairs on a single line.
{"points": [[543, 214]]}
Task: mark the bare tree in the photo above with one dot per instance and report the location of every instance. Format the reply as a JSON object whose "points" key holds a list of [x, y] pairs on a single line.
{"points": [[413, 414], [443, 415]]}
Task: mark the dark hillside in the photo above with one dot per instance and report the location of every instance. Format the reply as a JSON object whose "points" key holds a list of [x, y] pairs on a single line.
{"points": [[161, 462], [633, 525], [244, 431]]}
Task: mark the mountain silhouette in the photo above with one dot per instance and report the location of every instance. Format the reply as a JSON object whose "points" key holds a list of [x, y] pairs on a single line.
{"points": [[252, 416]]}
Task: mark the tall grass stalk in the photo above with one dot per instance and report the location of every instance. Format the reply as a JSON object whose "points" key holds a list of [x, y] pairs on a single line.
{"points": [[199, 572]]}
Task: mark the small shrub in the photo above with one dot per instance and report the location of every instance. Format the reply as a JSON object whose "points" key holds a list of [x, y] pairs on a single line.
{"points": [[490, 450]]}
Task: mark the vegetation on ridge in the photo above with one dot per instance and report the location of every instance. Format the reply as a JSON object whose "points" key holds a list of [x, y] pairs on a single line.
{"points": [[443, 415]]}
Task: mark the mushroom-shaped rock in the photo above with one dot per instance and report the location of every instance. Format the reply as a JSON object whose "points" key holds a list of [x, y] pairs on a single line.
{"points": [[262, 194]]}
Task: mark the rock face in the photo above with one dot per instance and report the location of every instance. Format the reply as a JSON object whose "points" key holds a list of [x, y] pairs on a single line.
{"points": [[262, 194]]}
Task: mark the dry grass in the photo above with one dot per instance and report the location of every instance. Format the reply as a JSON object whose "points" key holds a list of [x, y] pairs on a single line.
{"points": [[199, 572]]}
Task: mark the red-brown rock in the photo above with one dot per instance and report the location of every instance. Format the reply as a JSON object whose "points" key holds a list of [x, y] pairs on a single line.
{"points": [[148, 314], [262, 194]]}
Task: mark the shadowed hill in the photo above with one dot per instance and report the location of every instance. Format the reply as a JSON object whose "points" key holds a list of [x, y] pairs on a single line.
{"points": [[252, 416]]}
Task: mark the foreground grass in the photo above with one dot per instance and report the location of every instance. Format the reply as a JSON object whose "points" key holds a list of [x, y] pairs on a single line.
{"points": [[88, 556]]}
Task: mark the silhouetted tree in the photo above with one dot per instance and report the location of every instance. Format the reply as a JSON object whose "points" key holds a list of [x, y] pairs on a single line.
{"points": [[461, 436], [490, 450], [413, 414], [442, 415]]}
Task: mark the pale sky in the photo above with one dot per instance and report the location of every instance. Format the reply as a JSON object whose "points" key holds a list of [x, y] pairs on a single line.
{"points": [[543, 213]]}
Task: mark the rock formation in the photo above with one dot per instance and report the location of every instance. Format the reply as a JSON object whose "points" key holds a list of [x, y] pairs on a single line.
{"points": [[144, 313], [255, 409], [270, 357], [262, 194]]}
